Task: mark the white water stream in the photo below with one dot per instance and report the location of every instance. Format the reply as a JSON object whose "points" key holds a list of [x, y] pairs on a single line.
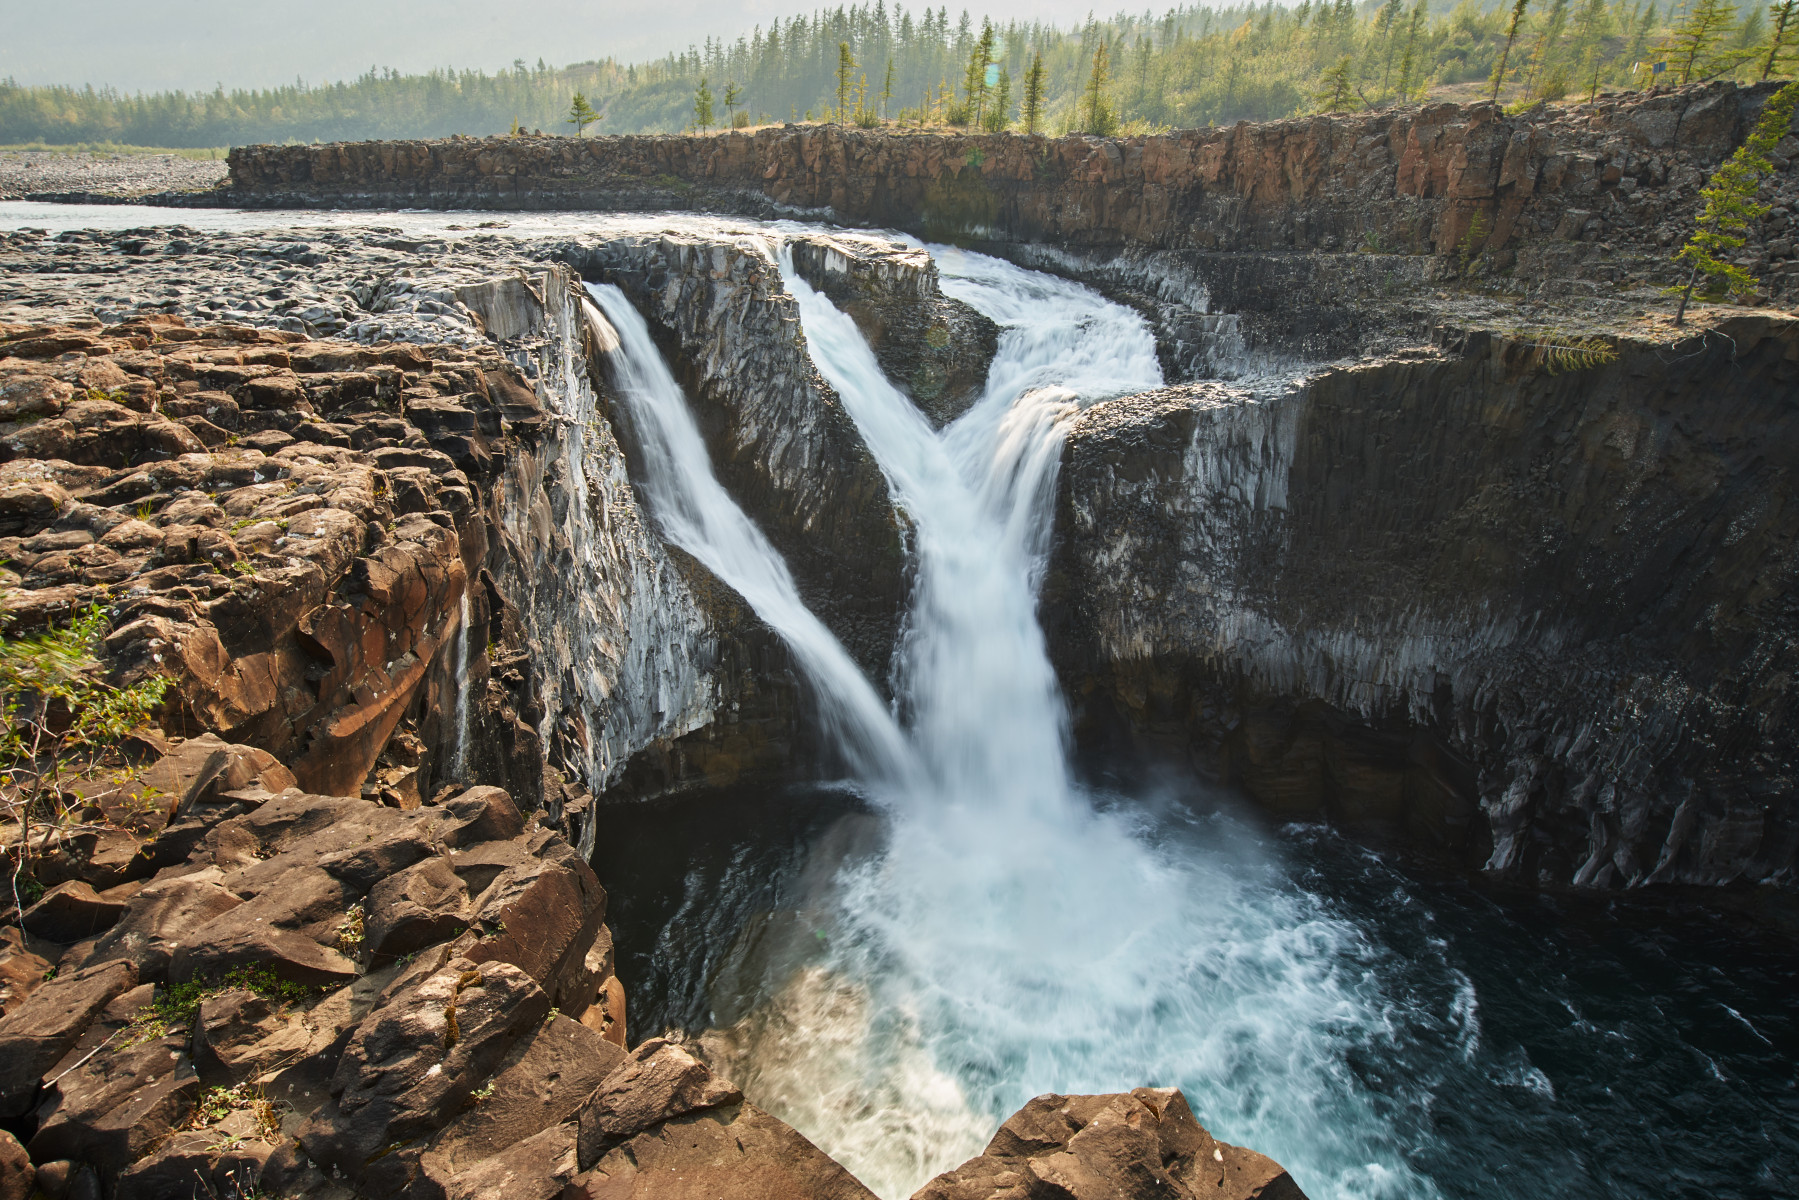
{"points": [[1013, 934]]}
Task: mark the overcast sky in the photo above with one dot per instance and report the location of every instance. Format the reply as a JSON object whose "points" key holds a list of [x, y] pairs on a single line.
{"points": [[190, 44]]}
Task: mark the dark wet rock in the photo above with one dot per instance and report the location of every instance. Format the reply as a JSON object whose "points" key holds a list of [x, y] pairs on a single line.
{"points": [[1141, 1146], [934, 349], [1457, 599]]}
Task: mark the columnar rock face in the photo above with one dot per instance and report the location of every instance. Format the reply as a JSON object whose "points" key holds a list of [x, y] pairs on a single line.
{"points": [[779, 437], [1541, 620]]}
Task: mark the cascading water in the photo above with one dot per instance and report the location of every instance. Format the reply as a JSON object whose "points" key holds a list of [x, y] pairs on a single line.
{"points": [[459, 758], [1006, 933], [698, 515]]}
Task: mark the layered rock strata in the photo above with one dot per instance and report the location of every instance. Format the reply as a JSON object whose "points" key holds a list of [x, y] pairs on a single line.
{"points": [[1539, 617], [1575, 200]]}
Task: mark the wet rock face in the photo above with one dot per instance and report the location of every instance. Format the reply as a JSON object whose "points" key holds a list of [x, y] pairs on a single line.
{"points": [[1540, 621], [934, 349], [779, 438]]}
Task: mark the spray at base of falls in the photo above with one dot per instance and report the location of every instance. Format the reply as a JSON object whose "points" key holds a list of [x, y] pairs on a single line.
{"points": [[1012, 934]]}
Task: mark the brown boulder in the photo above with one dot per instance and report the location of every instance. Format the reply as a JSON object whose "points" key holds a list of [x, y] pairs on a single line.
{"points": [[18, 1179], [659, 1081], [413, 1063], [1141, 1146], [70, 912], [737, 1151], [204, 1162], [111, 1109], [161, 919], [21, 971], [539, 1085], [43, 1028], [537, 1168], [421, 906]]}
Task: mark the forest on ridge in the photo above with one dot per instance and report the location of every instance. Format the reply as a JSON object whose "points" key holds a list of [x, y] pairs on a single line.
{"points": [[1190, 66]]}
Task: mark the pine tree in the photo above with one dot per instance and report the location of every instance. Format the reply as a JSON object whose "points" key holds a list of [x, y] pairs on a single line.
{"points": [[1002, 100], [1033, 92], [974, 82], [1408, 62], [887, 86], [702, 107], [1096, 105], [1336, 93], [846, 73], [1730, 204], [1544, 50], [1511, 35], [580, 114], [1780, 42], [1589, 40], [1692, 46], [1386, 24], [733, 98]]}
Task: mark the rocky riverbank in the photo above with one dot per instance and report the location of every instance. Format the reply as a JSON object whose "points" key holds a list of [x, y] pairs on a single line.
{"points": [[98, 178]]}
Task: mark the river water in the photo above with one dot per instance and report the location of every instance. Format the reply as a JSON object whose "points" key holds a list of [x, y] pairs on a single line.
{"points": [[965, 926], [896, 964]]}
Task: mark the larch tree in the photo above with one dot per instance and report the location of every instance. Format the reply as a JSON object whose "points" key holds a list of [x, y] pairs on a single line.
{"points": [[1034, 81], [702, 107], [733, 99], [1730, 205], [1336, 91], [1096, 102], [1511, 35], [1693, 44], [1782, 37], [846, 75], [887, 84], [1002, 101], [580, 114]]}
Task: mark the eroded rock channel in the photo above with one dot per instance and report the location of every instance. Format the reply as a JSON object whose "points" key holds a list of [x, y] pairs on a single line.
{"points": [[431, 528]]}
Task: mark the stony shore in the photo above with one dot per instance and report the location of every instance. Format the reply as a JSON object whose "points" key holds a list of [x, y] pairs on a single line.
{"points": [[82, 176]]}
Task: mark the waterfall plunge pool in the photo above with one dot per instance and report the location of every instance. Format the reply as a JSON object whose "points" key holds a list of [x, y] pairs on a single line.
{"points": [[1545, 1048]]}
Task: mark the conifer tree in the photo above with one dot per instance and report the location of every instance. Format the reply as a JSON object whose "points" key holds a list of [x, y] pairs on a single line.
{"points": [[1730, 204], [846, 74], [1692, 47], [733, 98], [1096, 105], [580, 115], [702, 107], [1511, 35], [1589, 41], [1336, 93], [887, 86], [1033, 92], [974, 83], [1002, 100], [1408, 61], [1780, 41]]}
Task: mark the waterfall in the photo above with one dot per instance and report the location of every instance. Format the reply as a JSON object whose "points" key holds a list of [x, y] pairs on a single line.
{"points": [[1012, 933], [460, 756], [698, 515]]}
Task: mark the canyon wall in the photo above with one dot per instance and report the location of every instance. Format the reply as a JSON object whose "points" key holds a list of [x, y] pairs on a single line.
{"points": [[1345, 210], [1540, 619]]}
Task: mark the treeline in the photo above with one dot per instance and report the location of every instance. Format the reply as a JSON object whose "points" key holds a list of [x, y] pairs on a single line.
{"points": [[1191, 66]]}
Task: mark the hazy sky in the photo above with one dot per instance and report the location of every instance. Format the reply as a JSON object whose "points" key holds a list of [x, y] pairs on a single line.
{"points": [[241, 43]]}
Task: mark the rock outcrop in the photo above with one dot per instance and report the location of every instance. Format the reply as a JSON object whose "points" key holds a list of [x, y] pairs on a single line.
{"points": [[1346, 211], [1539, 618]]}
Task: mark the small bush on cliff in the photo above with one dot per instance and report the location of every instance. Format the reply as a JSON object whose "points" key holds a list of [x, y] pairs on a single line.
{"points": [[59, 721]]}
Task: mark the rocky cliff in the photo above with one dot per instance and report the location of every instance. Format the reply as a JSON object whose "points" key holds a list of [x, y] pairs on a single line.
{"points": [[1539, 616], [1354, 213]]}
